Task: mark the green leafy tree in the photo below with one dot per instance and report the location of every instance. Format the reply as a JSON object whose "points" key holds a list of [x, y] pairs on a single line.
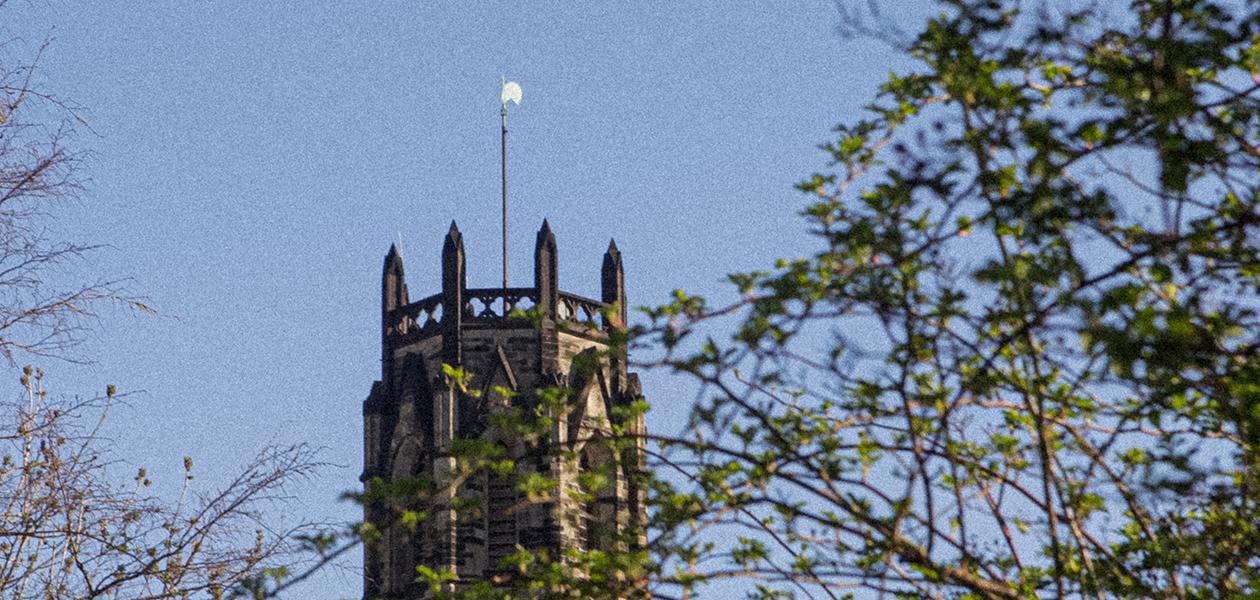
{"points": [[1025, 358]]}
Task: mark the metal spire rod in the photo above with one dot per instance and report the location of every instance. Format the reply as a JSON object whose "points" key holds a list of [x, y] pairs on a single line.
{"points": [[503, 164], [511, 92]]}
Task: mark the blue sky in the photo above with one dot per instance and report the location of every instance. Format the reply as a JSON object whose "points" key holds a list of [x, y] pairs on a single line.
{"points": [[251, 162]]}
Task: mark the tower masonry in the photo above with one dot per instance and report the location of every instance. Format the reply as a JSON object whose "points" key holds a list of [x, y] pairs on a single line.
{"points": [[414, 418]]}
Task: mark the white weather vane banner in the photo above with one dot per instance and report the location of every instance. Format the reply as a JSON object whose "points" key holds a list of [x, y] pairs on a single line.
{"points": [[511, 92]]}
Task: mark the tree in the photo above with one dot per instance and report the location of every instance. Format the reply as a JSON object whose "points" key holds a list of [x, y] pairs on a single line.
{"points": [[67, 530], [40, 316], [1025, 359]]}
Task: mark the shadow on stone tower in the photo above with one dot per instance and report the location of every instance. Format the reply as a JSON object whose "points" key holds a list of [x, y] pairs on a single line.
{"points": [[413, 416]]}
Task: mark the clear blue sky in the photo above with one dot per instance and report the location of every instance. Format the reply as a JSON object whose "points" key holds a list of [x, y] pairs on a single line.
{"points": [[252, 162]]}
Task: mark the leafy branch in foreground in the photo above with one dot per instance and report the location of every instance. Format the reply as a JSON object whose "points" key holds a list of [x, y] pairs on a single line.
{"points": [[1024, 361]]}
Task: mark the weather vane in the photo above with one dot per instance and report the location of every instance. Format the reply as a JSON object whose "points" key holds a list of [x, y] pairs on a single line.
{"points": [[511, 92]]}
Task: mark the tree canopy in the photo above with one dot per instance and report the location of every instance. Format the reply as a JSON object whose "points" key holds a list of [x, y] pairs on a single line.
{"points": [[1025, 358]]}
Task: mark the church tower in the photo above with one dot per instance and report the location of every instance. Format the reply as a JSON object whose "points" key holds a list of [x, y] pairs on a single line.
{"points": [[414, 418]]}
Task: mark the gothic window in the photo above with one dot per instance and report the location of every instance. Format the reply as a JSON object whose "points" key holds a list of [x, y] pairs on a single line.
{"points": [[471, 527], [473, 416], [501, 511], [596, 480]]}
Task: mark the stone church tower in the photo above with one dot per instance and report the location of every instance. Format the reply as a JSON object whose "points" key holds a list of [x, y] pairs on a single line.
{"points": [[413, 415]]}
